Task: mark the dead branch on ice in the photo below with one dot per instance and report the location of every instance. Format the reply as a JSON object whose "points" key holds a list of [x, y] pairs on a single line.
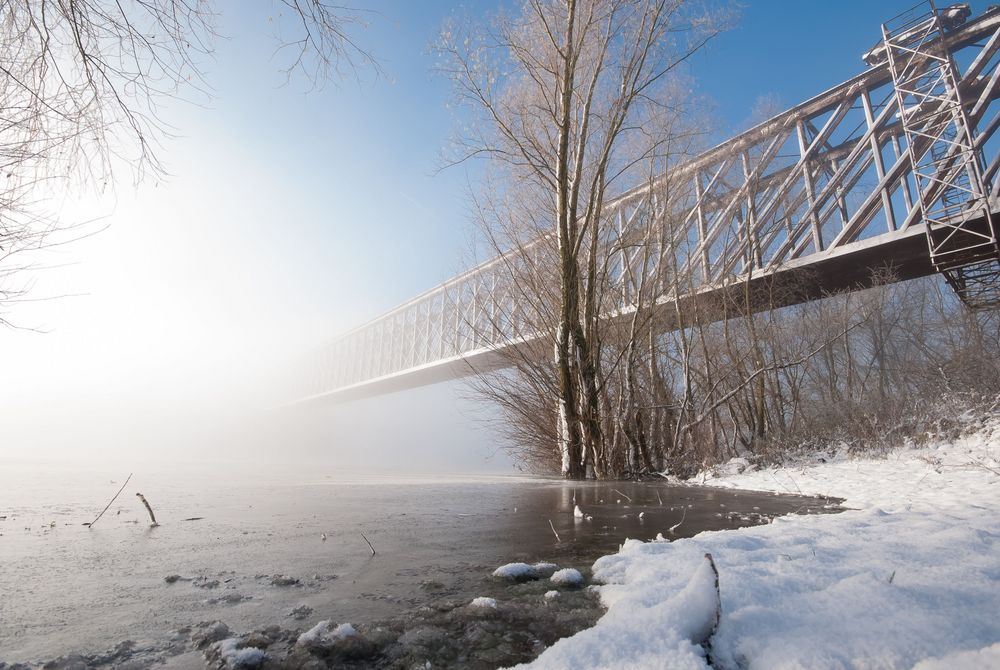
{"points": [[149, 509], [677, 525], [366, 540], [91, 524], [622, 494], [554, 531]]}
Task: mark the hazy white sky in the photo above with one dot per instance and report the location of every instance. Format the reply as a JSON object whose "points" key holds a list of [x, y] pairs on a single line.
{"points": [[290, 217]]}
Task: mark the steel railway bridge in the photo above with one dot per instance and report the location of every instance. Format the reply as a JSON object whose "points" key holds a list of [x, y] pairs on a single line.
{"points": [[897, 165]]}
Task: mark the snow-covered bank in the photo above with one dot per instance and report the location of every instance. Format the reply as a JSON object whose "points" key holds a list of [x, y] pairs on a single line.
{"points": [[909, 577]]}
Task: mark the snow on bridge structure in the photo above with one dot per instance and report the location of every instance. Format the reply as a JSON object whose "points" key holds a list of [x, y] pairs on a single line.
{"points": [[896, 166]]}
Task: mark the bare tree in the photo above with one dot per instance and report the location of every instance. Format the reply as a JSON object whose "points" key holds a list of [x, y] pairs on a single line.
{"points": [[83, 85], [565, 91]]}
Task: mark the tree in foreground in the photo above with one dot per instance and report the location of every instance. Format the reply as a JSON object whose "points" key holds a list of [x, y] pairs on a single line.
{"points": [[83, 84], [572, 98]]}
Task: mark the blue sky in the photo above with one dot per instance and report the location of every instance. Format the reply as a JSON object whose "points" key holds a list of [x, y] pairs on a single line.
{"points": [[292, 215]]}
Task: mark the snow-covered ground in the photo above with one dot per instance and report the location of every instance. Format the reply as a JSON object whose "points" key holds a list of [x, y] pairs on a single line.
{"points": [[908, 578]]}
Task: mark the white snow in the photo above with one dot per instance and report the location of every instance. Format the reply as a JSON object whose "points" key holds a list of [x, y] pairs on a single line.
{"points": [[577, 512], [550, 595], [315, 633], [321, 632], [986, 658], [483, 602], [525, 571], [514, 571], [567, 577], [342, 631], [909, 576], [660, 638], [248, 657]]}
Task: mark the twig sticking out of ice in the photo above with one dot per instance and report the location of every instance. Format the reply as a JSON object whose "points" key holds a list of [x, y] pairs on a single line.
{"points": [[677, 525], [91, 524], [152, 517], [369, 543], [622, 495]]}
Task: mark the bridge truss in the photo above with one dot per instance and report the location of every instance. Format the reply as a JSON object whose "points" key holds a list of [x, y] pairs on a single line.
{"points": [[896, 165]]}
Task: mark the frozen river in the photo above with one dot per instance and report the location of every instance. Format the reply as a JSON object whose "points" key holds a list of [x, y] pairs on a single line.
{"points": [[66, 588]]}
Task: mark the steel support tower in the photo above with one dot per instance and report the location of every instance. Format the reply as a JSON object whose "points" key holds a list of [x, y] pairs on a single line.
{"points": [[947, 165]]}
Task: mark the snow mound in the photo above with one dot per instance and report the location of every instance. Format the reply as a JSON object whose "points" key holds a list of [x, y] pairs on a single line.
{"points": [[484, 603], [577, 512], [567, 577], [644, 635], [344, 630], [908, 576], [248, 657], [550, 595], [524, 572], [321, 632]]}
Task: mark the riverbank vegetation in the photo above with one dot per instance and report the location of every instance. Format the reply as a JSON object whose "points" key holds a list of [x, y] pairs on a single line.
{"points": [[868, 370]]}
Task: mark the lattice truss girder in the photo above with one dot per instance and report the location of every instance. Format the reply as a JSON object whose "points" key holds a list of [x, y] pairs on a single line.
{"points": [[805, 185], [953, 190]]}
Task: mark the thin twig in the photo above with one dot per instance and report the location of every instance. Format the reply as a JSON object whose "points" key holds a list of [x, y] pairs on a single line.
{"points": [[152, 517], [369, 543], [558, 539], [91, 524], [678, 524], [794, 483], [622, 494]]}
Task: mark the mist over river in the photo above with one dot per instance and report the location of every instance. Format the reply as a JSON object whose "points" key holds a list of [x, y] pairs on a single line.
{"points": [[270, 543]]}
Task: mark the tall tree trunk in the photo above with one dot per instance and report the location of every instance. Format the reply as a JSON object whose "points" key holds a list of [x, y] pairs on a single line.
{"points": [[566, 228]]}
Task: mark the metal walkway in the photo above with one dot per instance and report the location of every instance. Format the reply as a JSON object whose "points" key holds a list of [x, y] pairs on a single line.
{"points": [[895, 166]]}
